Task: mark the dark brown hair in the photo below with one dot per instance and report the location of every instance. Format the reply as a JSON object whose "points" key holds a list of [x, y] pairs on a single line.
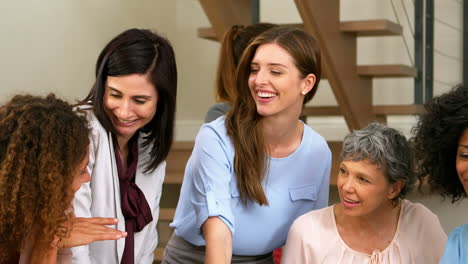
{"points": [[234, 42], [242, 122], [42, 141], [143, 52], [435, 139]]}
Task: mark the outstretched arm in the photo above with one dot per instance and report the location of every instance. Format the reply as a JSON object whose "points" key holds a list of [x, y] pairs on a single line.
{"points": [[81, 231], [218, 241]]}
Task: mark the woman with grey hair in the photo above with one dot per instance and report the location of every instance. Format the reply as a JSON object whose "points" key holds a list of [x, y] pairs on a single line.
{"points": [[372, 223]]}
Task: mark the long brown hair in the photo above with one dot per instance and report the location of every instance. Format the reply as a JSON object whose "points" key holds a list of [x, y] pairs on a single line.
{"points": [[234, 42], [242, 122], [42, 141]]}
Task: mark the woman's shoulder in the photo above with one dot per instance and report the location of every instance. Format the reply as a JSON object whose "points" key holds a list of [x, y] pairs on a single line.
{"points": [[460, 234], [413, 211], [309, 226], [315, 218], [213, 137], [216, 128], [93, 121], [312, 137], [417, 222]]}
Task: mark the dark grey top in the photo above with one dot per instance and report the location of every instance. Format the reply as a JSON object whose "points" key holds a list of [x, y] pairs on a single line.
{"points": [[216, 111]]}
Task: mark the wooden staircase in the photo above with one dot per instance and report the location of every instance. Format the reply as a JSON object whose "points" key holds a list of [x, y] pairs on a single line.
{"points": [[351, 83], [176, 161]]}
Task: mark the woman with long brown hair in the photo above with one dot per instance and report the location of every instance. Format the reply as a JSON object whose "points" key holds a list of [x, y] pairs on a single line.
{"points": [[252, 173], [235, 40], [43, 158]]}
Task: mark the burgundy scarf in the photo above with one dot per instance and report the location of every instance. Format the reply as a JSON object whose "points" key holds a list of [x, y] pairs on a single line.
{"points": [[135, 208]]}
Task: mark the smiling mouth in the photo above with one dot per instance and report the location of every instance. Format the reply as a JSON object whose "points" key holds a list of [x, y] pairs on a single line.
{"points": [[350, 201], [265, 94], [126, 121]]}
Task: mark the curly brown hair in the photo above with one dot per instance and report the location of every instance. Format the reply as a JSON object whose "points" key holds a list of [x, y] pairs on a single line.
{"points": [[42, 141], [435, 139]]}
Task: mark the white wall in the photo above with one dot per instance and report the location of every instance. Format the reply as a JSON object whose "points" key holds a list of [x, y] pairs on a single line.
{"points": [[53, 46]]}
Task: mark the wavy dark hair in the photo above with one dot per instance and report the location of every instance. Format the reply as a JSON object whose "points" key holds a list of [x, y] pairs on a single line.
{"points": [[143, 52], [435, 139], [242, 121], [42, 141], [234, 42]]}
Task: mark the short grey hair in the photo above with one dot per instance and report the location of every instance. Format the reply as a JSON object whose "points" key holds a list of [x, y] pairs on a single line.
{"points": [[385, 147]]}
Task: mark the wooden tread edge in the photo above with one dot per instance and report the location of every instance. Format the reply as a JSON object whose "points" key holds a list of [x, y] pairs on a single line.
{"points": [[166, 214], [414, 109], [374, 27]]}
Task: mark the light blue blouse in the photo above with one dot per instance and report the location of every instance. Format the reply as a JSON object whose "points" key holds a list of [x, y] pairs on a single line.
{"points": [[456, 250], [294, 185]]}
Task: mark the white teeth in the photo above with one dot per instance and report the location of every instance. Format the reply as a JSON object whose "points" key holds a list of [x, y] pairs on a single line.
{"points": [[349, 201], [265, 94], [126, 122]]}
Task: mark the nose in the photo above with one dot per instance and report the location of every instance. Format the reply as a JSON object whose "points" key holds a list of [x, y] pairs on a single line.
{"points": [[261, 78], [348, 185], [86, 177], [124, 110]]}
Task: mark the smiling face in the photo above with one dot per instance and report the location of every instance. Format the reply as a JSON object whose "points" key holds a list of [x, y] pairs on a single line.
{"points": [[364, 189], [462, 159], [81, 173], [130, 102], [275, 82]]}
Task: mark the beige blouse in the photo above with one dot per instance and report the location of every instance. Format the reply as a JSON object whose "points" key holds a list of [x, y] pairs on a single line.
{"points": [[314, 238]]}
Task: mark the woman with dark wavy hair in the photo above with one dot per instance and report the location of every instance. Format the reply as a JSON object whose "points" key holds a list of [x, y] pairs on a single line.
{"points": [[43, 157], [256, 170], [131, 111], [441, 143]]}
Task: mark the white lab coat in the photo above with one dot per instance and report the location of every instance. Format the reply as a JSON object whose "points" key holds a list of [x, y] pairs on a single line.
{"points": [[101, 198]]}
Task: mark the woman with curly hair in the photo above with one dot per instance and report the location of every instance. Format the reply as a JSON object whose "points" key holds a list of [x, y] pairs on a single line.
{"points": [[43, 157], [441, 143]]}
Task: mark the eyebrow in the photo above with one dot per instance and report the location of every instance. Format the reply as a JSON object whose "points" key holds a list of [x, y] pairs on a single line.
{"points": [[358, 173], [463, 146], [136, 96], [113, 89], [271, 64]]}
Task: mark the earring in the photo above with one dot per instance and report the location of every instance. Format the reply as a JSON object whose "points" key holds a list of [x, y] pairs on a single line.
{"points": [[303, 92]]}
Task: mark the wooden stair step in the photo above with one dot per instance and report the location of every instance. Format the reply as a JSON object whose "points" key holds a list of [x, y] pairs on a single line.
{"points": [[364, 28], [182, 145], [166, 214], [381, 71], [415, 109], [178, 156], [374, 28], [174, 177], [386, 71], [335, 147], [377, 109]]}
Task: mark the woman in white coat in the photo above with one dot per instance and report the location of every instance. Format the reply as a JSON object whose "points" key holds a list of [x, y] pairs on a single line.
{"points": [[131, 110]]}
